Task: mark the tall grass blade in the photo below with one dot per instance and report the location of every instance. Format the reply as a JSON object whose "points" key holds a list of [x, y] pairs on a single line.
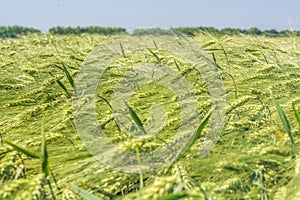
{"points": [[44, 152], [177, 66], [61, 85], [155, 55], [196, 135], [285, 123], [112, 110], [122, 50], [136, 119], [155, 44], [68, 75], [215, 61], [21, 149], [265, 57], [84, 194], [234, 83], [297, 115]]}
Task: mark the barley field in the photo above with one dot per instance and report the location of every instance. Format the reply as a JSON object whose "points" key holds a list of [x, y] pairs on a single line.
{"points": [[256, 157]]}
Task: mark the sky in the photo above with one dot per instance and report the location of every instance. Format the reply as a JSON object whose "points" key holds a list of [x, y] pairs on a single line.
{"points": [[133, 14]]}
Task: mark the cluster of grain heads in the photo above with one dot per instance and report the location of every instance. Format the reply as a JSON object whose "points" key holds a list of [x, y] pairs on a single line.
{"points": [[160, 187], [184, 178], [292, 190], [45, 167], [83, 193], [257, 179]]}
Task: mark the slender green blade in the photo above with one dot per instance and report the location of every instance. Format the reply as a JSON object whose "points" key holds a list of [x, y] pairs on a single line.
{"points": [[136, 119], [196, 135], [122, 50], [297, 115], [285, 123], [44, 153], [84, 194], [282, 115], [68, 75], [21, 149], [155, 55], [177, 66], [61, 85]]}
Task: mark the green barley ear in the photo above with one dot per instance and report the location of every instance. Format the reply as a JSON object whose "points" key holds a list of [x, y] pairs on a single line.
{"points": [[285, 123], [297, 115]]}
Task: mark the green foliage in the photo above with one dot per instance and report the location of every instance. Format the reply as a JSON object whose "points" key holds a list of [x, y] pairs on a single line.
{"points": [[90, 30], [254, 31], [15, 31], [151, 31], [232, 31]]}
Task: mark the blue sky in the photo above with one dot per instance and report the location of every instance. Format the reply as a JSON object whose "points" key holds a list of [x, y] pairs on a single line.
{"points": [[132, 14]]}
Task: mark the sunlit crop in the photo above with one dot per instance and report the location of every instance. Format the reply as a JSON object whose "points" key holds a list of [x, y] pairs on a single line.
{"points": [[256, 157]]}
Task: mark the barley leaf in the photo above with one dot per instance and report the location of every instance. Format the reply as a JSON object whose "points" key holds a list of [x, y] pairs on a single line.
{"points": [[68, 75], [282, 115], [155, 55], [136, 119], [21, 149], [177, 66], [61, 85], [122, 50], [297, 115], [196, 135], [44, 153], [285, 123]]}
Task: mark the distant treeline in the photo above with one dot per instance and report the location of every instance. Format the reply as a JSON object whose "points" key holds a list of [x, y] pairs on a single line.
{"points": [[15, 31], [91, 30], [191, 31]]}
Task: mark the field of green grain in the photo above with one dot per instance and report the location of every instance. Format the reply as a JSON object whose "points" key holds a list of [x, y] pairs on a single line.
{"points": [[256, 156]]}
